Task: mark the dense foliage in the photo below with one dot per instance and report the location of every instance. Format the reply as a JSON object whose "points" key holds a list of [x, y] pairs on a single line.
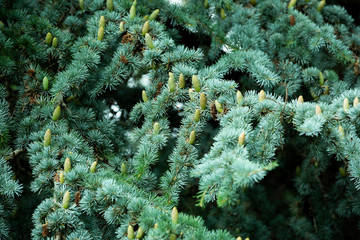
{"points": [[213, 119]]}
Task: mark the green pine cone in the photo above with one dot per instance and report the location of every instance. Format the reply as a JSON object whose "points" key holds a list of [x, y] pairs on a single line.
{"points": [[154, 14], [48, 39], [148, 41], [45, 83], [47, 138], [66, 200], [196, 83], [56, 114], [55, 42]]}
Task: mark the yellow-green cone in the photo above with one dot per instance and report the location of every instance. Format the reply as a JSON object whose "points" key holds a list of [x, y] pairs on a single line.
{"points": [[123, 169], [154, 14], [241, 139], [171, 82], [148, 41], [341, 132], [47, 138], [56, 113], [218, 106], [222, 13], [144, 96], [318, 110], [133, 11], [203, 101], [67, 165], [100, 35], [356, 102], [292, 3], [181, 81], [298, 170], [145, 28], [262, 96], [121, 26], [321, 5], [175, 213], [206, 4], [156, 225], [197, 115], [300, 99], [48, 39], [321, 78], [172, 237], [110, 5], [81, 5], [61, 177], [192, 137], [140, 233], [45, 83], [196, 83], [66, 200], [102, 22], [156, 128], [55, 42], [191, 93], [346, 105], [239, 97], [93, 166], [130, 232]]}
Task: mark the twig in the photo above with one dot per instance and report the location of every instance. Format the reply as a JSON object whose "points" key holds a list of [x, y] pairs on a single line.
{"points": [[14, 154]]}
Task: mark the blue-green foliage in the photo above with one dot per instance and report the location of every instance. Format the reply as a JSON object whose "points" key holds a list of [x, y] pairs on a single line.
{"points": [[295, 175]]}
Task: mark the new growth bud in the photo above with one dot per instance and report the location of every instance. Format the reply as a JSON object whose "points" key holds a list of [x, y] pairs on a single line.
{"points": [[346, 105], [47, 138], [196, 83], [133, 10], [102, 22], [55, 42], [145, 28], [192, 137], [48, 39], [61, 177], [174, 215], [66, 200], [219, 106], [262, 96], [292, 3], [356, 102], [148, 41], [100, 35], [144, 96], [181, 81], [197, 115], [140, 233], [203, 101], [45, 83], [156, 128], [93, 166], [241, 140], [321, 5], [318, 110], [321, 78], [300, 99], [239, 97], [171, 82], [110, 5], [56, 113], [154, 14], [67, 165], [130, 232], [81, 5]]}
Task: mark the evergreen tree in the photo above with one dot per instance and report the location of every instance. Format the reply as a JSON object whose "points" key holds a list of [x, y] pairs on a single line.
{"points": [[210, 119]]}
